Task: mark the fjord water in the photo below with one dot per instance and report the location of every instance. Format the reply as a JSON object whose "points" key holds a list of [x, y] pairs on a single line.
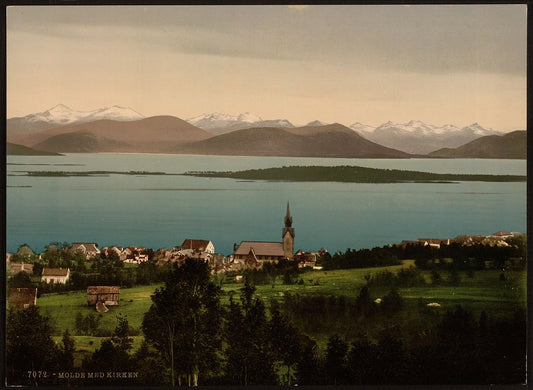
{"points": [[161, 211]]}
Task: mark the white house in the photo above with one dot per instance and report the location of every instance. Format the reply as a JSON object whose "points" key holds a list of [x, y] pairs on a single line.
{"points": [[198, 245], [88, 249], [55, 275]]}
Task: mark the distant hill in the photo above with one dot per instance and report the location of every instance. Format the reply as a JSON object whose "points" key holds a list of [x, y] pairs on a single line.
{"points": [[157, 134], [21, 150], [80, 142], [511, 145], [333, 140]]}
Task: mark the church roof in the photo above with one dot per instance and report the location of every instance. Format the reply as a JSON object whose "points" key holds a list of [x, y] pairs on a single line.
{"points": [[261, 248], [200, 245]]}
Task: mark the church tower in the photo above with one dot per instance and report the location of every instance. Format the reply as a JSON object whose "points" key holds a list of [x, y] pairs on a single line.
{"points": [[288, 235]]}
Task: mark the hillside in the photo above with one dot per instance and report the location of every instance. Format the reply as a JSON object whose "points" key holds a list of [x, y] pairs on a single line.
{"points": [[80, 142], [512, 145], [21, 150], [155, 134], [311, 141]]}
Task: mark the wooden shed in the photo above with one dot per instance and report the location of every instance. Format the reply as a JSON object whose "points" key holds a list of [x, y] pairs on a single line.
{"points": [[108, 295], [22, 297]]}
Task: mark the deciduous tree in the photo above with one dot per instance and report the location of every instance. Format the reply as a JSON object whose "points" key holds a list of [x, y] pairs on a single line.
{"points": [[184, 322]]}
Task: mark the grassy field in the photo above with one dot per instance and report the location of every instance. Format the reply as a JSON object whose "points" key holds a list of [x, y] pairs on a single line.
{"points": [[485, 291], [62, 308]]}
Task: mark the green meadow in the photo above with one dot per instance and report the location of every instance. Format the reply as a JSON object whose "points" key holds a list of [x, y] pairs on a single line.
{"points": [[62, 308], [484, 291]]}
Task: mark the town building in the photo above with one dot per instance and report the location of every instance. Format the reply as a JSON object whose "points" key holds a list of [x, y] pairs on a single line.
{"points": [[89, 249], [21, 267], [305, 259], [22, 297], [198, 245], [256, 253], [55, 275]]}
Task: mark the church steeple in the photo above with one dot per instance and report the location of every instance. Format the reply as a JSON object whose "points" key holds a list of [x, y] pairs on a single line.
{"points": [[288, 235], [288, 218]]}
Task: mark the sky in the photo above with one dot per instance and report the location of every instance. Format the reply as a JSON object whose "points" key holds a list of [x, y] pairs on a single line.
{"points": [[455, 64]]}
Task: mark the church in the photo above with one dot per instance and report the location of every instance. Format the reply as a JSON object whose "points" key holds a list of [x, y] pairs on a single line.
{"points": [[256, 253]]}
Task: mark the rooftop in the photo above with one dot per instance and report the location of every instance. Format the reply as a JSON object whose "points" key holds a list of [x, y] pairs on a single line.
{"points": [[261, 248], [55, 271]]}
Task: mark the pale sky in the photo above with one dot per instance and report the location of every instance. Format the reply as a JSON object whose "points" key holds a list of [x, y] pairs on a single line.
{"points": [[335, 63]]}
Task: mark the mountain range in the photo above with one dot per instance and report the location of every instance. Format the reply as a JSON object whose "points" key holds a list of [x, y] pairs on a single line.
{"points": [[157, 134], [333, 140], [414, 137], [218, 123], [119, 129], [61, 115], [421, 138]]}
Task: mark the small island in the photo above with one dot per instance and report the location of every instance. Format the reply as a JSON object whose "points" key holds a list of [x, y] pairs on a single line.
{"points": [[354, 174], [88, 173]]}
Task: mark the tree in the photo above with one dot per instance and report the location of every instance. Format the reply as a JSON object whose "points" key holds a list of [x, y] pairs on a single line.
{"points": [[150, 366], [121, 338], [184, 320], [249, 353], [454, 277], [362, 363], [66, 351], [336, 360], [20, 280], [24, 255], [147, 272], [435, 277], [285, 341], [364, 304], [29, 344], [86, 325], [392, 302], [310, 366], [114, 352]]}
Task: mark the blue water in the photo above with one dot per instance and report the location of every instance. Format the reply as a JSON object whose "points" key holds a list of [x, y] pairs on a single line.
{"points": [[161, 211]]}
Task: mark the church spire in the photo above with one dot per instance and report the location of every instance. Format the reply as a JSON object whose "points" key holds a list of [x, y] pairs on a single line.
{"points": [[288, 235], [288, 218]]}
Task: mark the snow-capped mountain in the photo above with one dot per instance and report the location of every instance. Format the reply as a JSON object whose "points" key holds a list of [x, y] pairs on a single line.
{"points": [[219, 120], [316, 123], [63, 115], [479, 130], [222, 123], [249, 118], [420, 138], [361, 127]]}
